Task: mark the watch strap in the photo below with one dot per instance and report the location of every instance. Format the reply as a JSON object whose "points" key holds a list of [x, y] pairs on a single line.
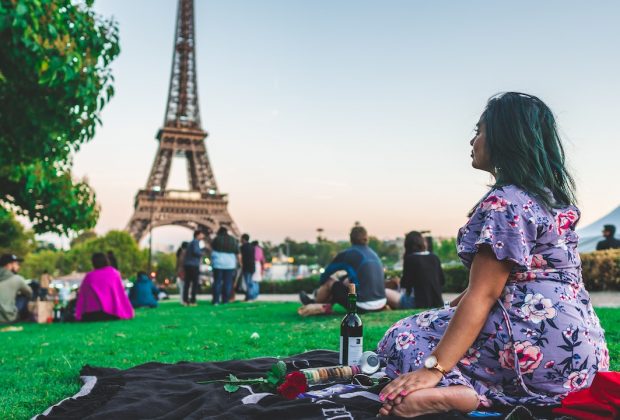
{"points": [[440, 369]]}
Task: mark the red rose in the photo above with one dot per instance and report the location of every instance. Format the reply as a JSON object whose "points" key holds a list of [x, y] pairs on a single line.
{"points": [[294, 384]]}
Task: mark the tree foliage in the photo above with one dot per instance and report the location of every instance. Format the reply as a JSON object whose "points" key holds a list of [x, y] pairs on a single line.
{"points": [[130, 258], [14, 238], [165, 266], [39, 262], [446, 250], [83, 237], [55, 78], [324, 250]]}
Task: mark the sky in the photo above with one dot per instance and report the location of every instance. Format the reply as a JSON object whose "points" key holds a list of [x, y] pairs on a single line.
{"points": [[323, 113]]}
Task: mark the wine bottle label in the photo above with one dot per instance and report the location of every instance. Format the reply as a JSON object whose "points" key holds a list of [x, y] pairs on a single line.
{"points": [[355, 348]]}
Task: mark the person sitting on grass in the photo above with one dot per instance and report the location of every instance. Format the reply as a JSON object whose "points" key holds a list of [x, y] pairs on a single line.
{"points": [[143, 292], [422, 278], [364, 269], [14, 291], [524, 331], [101, 296]]}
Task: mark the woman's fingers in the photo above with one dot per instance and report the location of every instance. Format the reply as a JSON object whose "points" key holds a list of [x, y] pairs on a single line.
{"points": [[394, 385], [385, 410], [400, 388], [408, 383]]}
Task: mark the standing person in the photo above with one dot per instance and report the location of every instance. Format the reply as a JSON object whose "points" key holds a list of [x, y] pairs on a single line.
{"points": [[422, 278], [224, 258], [44, 284], [609, 242], [14, 291], [259, 262], [248, 267], [364, 269], [524, 331], [101, 296], [180, 269], [191, 266]]}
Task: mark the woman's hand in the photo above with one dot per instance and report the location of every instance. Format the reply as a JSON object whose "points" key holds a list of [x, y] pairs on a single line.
{"points": [[409, 382]]}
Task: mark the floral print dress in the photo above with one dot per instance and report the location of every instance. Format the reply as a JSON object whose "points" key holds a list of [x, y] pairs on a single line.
{"points": [[542, 338]]}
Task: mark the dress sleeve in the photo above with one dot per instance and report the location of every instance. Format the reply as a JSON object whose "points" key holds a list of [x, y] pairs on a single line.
{"points": [[504, 223]]}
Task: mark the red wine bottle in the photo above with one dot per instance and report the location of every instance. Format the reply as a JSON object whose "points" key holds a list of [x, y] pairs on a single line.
{"points": [[351, 333]]}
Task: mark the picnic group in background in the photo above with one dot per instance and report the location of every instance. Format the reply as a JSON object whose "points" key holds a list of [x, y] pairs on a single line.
{"points": [[228, 258], [419, 287], [100, 296]]}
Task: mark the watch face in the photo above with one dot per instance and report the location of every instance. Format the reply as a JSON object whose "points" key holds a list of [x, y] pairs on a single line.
{"points": [[430, 362]]}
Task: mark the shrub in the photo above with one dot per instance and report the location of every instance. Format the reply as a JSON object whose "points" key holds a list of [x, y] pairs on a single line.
{"points": [[601, 270], [456, 278], [289, 286]]}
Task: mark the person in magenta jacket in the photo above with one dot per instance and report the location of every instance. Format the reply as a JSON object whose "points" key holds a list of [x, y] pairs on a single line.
{"points": [[101, 296]]}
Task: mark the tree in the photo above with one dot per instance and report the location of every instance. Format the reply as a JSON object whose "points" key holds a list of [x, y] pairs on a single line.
{"points": [[14, 239], [55, 78], [38, 262], [129, 257], [83, 237], [446, 250], [166, 266]]}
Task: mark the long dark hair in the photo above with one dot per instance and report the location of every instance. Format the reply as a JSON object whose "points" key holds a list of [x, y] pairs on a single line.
{"points": [[414, 242], [525, 148]]}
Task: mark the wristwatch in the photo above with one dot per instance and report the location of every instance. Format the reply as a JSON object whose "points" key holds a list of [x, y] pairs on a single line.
{"points": [[431, 363]]}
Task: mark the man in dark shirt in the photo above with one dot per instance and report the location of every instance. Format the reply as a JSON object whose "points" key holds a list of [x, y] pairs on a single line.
{"points": [[609, 242], [248, 267], [363, 268], [191, 266]]}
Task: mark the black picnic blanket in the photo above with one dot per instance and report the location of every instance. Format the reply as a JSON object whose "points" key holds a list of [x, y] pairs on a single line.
{"points": [[170, 391]]}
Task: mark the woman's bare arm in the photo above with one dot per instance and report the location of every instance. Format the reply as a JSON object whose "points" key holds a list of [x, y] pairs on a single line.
{"points": [[457, 299], [486, 282]]}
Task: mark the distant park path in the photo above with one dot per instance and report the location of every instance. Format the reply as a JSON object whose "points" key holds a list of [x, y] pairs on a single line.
{"points": [[599, 299]]}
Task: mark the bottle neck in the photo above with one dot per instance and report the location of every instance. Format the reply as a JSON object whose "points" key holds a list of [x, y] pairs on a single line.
{"points": [[352, 300]]}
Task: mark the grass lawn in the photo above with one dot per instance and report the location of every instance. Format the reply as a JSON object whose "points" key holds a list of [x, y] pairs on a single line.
{"points": [[40, 365]]}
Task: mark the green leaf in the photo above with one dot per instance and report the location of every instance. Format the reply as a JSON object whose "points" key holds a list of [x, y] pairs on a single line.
{"points": [[231, 387], [233, 378], [277, 373], [21, 9], [52, 30]]}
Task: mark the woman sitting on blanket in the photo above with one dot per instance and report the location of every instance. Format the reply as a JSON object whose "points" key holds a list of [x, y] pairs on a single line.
{"points": [[524, 330], [101, 296]]}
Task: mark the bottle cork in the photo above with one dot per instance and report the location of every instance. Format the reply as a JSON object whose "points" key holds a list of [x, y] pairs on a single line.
{"points": [[351, 289]]}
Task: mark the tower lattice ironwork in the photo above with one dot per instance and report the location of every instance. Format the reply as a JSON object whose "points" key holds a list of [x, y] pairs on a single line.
{"points": [[203, 206]]}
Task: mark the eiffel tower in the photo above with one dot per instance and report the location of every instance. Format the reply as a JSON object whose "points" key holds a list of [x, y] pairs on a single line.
{"points": [[203, 206]]}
